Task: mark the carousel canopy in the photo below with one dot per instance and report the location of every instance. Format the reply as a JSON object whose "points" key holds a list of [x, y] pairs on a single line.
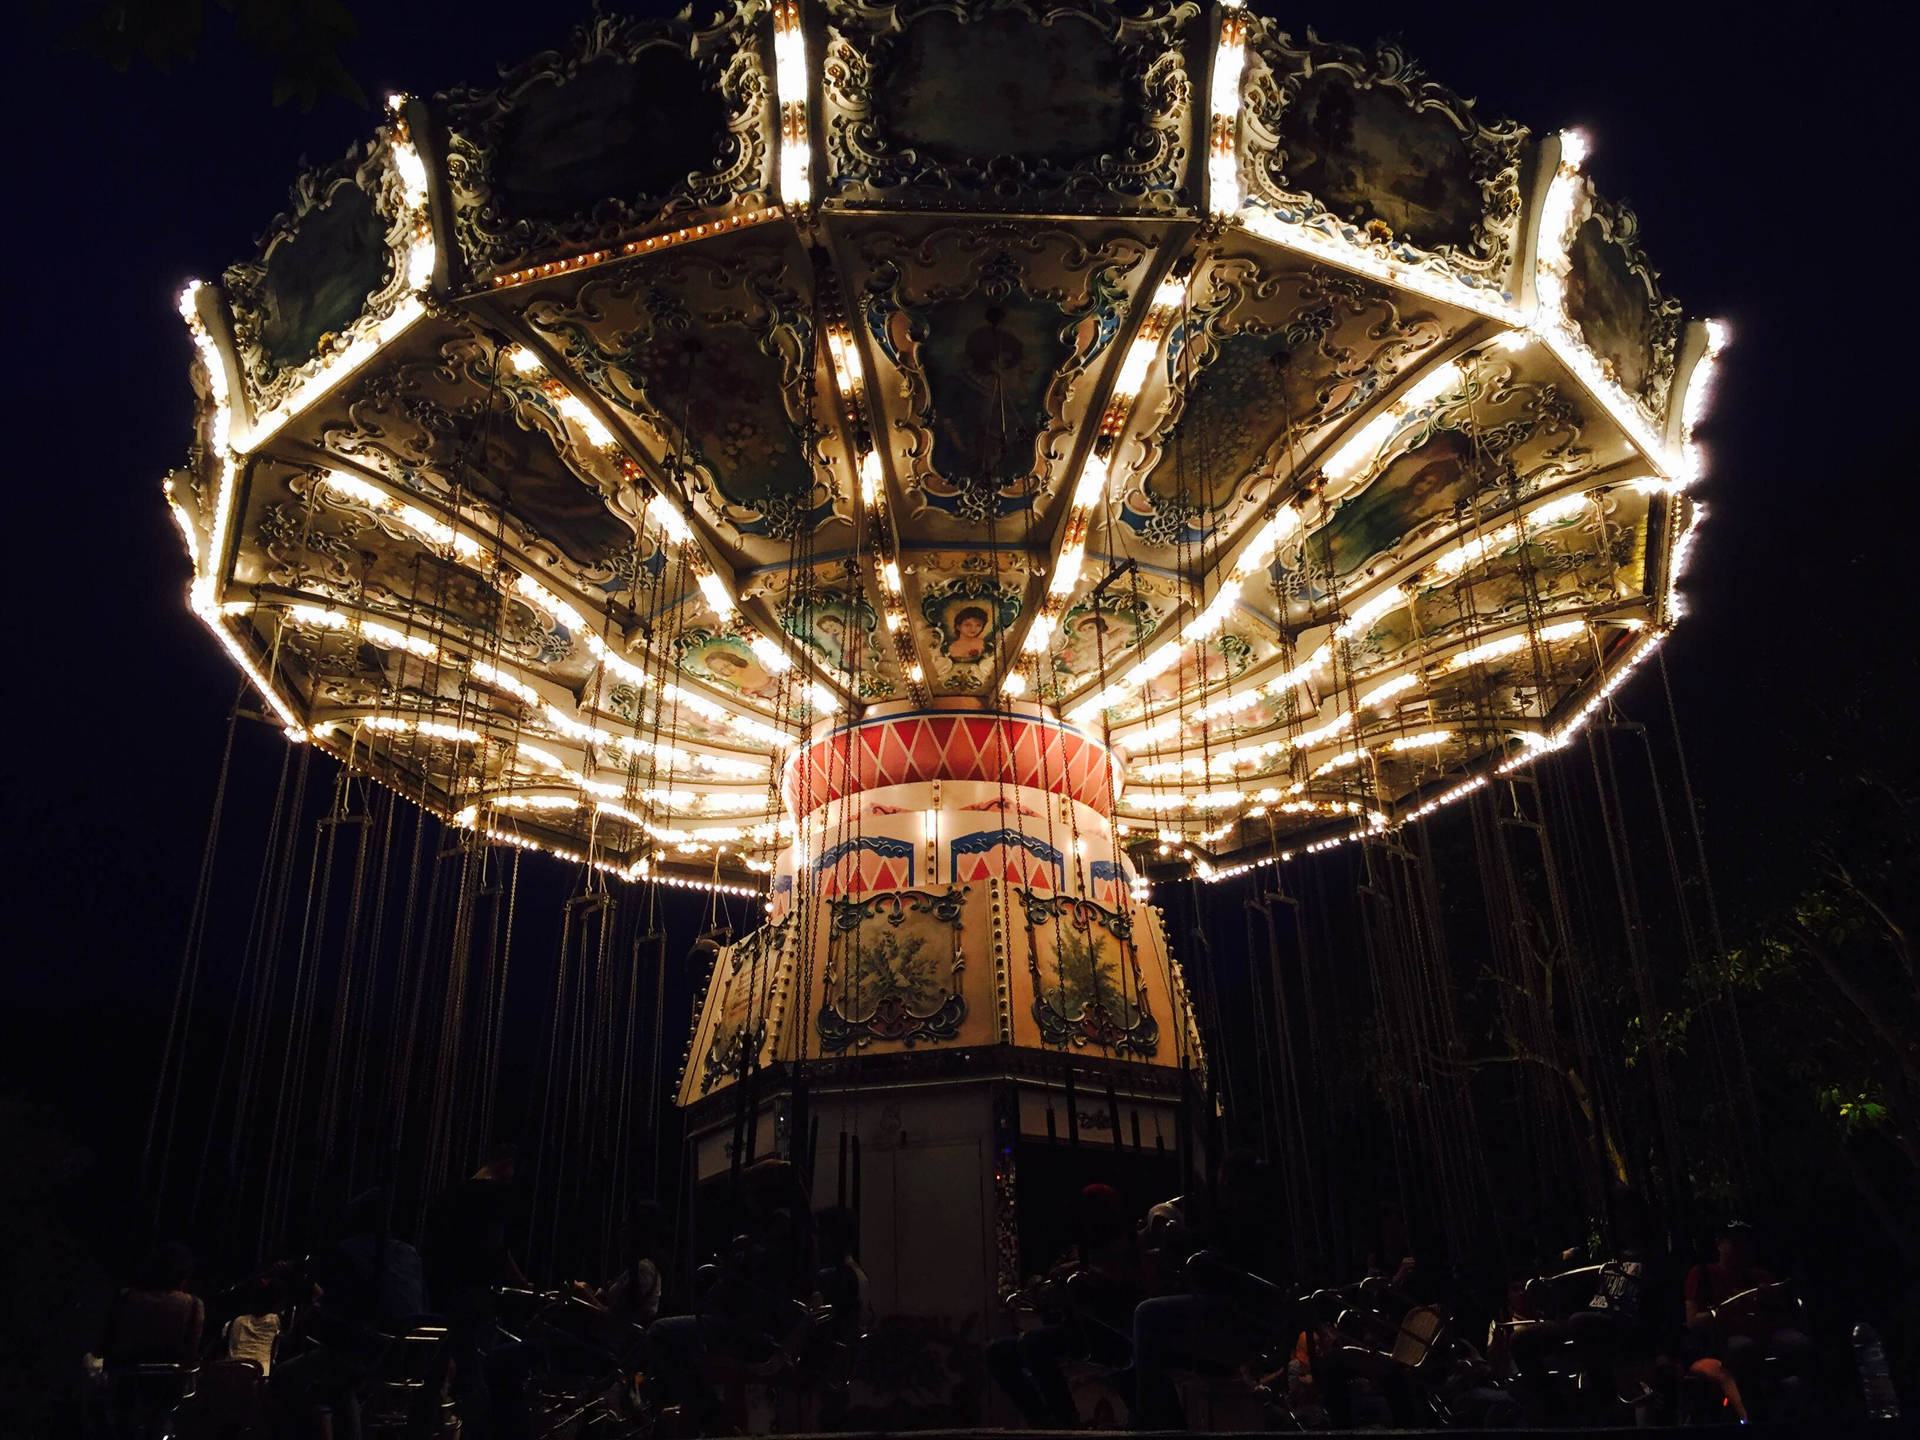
{"points": [[582, 450]]}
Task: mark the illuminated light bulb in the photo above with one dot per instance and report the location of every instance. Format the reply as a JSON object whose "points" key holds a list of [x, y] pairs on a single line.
{"points": [[718, 600], [1092, 483], [1066, 573], [1155, 664], [1039, 635], [870, 479], [1574, 148], [526, 362], [1015, 684], [1360, 450], [1386, 692], [789, 54], [1267, 541], [413, 172], [1215, 615], [581, 414], [1387, 600], [1133, 371], [1152, 735], [1425, 740], [420, 258], [669, 519], [1510, 644], [1223, 179], [554, 606], [890, 577], [895, 620], [490, 674], [771, 655], [354, 488], [824, 700], [916, 673], [1341, 761]]}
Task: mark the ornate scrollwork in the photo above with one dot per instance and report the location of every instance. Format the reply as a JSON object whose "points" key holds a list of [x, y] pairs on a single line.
{"points": [[721, 344], [1616, 303], [1141, 163], [1087, 1001], [728, 1052], [1486, 158], [726, 54], [1041, 304], [270, 314], [885, 978], [1239, 364]]}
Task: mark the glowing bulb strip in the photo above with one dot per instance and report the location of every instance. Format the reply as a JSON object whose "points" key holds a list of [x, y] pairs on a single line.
{"points": [[725, 766], [1066, 572], [184, 521], [428, 527], [1493, 542], [845, 359], [717, 598], [1342, 761], [1699, 393], [1326, 238], [581, 414], [203, 597], [549, 268], [1363, 447], [1215, 614], [1510, 644], [1095, 470], [790, 81], [1445, 797], [1223, 161], [1363, 616], [1560, 218]]}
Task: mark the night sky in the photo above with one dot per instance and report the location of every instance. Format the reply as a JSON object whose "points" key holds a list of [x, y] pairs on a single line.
{"points": [[1767, 156]]}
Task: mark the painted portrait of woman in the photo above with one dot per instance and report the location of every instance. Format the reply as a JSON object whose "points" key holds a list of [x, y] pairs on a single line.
{"points": [[972, 628], [727, 663]]}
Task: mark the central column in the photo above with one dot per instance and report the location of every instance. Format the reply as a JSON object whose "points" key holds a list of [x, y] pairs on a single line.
{"points": [[955, 961]]}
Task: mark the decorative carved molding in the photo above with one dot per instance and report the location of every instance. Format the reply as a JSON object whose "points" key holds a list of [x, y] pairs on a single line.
{"points": [[728, 53], [1148, 169], [1647, 336], [877, 985], [366, 174], [1003, 269], [1346, 336], [1277, 73]]}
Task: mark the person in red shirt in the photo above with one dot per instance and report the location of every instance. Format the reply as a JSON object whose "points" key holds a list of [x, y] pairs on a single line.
{"points": [[1738, 1315]]}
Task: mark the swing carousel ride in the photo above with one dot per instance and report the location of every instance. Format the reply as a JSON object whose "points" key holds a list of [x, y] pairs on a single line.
{"points": [[942, 467]]}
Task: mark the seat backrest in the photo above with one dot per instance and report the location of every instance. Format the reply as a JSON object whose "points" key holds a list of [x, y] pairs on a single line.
{"points": [[1419, 1328]]}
